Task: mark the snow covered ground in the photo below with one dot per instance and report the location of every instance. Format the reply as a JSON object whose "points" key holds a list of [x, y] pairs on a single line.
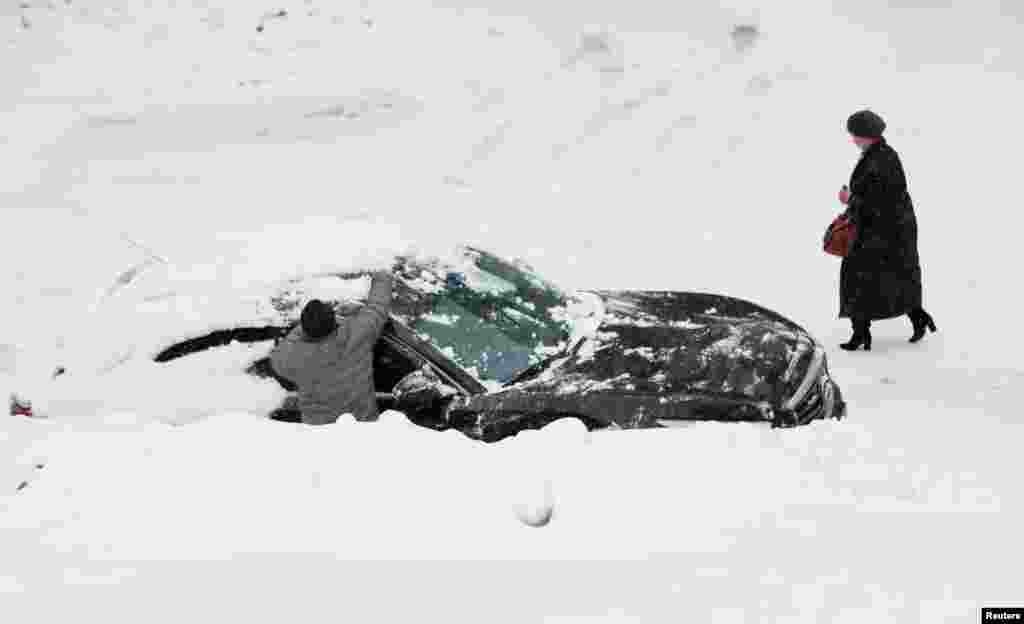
{"points": [[613, 145]]}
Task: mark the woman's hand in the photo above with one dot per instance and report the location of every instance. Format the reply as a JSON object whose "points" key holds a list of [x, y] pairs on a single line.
{"points": [[844, 195]]}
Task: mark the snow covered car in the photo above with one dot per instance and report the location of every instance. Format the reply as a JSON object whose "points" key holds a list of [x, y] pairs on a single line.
{"points": [[487, 346]]}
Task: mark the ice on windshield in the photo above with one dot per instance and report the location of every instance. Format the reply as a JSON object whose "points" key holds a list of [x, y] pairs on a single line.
{"points": [[492, 316]]}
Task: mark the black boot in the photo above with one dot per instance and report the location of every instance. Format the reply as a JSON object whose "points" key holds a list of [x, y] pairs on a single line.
{"points": [[921, 321], [861, 337]]}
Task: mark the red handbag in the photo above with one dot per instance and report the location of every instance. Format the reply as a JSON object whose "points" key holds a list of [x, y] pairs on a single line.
{"points": [[839, 236]]}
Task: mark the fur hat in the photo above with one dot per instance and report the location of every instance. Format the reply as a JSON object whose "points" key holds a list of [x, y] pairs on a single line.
{"points": [[318, 319], [865, 124]]}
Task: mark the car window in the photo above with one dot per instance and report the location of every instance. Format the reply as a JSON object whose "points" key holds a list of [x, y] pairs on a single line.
{"points": [[491, 316], [391, 364]]}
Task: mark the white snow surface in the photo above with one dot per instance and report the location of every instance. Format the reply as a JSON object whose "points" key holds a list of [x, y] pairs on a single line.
{"points": [[171, 151]]}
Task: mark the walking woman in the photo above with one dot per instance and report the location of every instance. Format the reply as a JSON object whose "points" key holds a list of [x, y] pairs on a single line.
{"points": [[880, 278]]}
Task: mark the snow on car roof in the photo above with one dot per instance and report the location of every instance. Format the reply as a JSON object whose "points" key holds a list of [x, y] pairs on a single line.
{"points": [[225, 281], [244, 279]]}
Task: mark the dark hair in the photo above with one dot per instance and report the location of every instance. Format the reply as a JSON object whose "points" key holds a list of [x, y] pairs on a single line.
{"points": [[318, 319]]}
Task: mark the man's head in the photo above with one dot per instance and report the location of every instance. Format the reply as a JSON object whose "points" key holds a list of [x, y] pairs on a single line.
{"points": [[865, 128], [318, 319]]}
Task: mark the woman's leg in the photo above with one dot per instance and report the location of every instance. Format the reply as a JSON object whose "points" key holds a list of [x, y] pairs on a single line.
{"points": [[861, 335], [921, 321]]}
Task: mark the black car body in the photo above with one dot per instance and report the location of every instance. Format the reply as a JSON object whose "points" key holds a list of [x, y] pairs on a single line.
{"points": [[490, 348]]}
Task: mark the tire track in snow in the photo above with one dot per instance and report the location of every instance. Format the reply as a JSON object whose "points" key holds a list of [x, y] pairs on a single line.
{"points": [[605, 56], [666, 137], [610, 113], [487, 146], [597, 49]]}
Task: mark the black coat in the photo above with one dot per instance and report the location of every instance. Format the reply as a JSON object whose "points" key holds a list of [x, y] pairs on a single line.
{"points": [[881, 276]]}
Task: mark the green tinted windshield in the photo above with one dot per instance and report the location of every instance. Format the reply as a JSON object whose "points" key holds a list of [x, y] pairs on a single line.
{"points": [[491, 316]]}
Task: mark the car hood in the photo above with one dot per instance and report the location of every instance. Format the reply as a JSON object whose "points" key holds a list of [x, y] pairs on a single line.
{"points": [[680, 344]]}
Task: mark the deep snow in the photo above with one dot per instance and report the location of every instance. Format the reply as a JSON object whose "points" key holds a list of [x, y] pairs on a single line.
{"points": [[609, 146]]}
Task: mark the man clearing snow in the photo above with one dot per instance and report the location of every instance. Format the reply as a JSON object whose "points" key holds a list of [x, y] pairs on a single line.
{"points": [[331, 359]]}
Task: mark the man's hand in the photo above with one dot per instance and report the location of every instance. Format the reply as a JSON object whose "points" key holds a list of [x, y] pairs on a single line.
{"points": [[844, 195]]}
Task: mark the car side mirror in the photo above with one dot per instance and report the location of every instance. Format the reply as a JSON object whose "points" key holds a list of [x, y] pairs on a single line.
{"points": [[421, 389]]}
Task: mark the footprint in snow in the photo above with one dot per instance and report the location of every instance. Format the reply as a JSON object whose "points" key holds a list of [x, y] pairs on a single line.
{"points": [[24, 484]]}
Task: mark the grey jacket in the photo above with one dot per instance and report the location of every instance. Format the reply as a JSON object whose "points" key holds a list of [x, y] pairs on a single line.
{"points": [[334, 375]]}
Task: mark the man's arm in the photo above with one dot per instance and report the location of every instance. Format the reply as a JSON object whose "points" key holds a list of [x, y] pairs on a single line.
{"points": [[369, 321]]}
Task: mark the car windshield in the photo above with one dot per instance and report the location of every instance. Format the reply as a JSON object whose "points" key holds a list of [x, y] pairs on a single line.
{"points": [[491, 316]]}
